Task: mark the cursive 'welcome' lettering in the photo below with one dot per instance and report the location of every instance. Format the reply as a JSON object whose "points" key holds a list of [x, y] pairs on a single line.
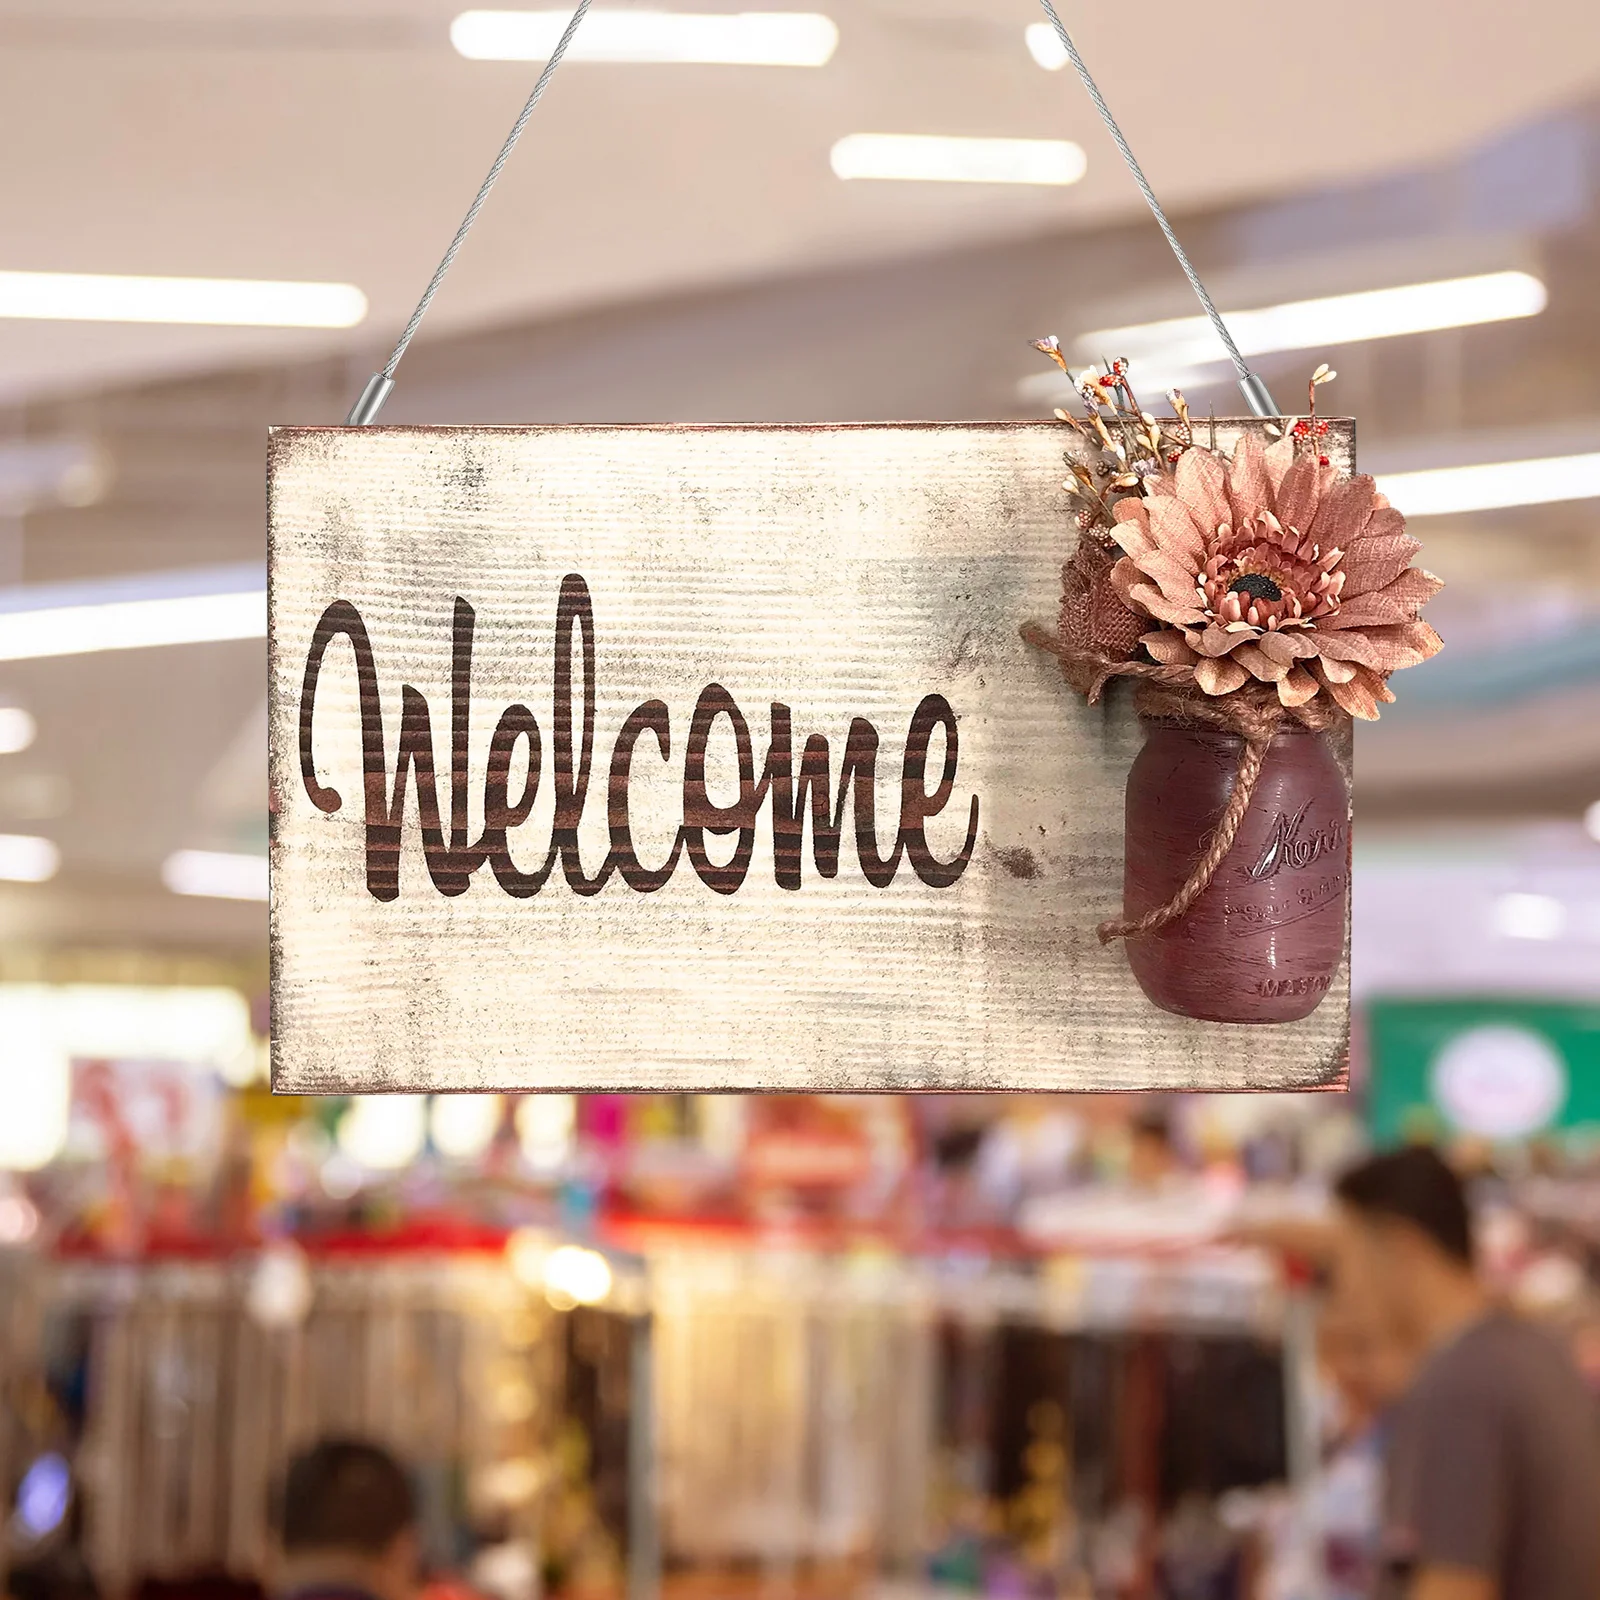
{"points": [[794, 793]]}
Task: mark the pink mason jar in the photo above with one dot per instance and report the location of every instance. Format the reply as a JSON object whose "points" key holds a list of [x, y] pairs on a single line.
{"points": [[1264, 941]]}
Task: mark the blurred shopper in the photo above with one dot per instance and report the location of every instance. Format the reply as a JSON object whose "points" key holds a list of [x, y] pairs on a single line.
{"points": [[62, 1574], [1492, 1477], [1153, 1163], [1367, 1366], [1367, 1370], [349, 1526]]}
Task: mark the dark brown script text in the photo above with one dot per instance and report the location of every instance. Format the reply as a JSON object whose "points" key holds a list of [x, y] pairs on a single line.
{"points": [[793, 793]]}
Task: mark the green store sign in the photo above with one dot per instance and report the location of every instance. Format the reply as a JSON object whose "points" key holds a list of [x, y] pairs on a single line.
{"points": [[1498, 1069]]}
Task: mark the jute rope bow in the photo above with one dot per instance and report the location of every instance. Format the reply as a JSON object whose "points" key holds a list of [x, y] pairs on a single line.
{"points": [[1254, 713]]}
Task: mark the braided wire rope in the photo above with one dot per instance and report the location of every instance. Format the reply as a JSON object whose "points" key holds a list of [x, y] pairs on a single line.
{"points": [[381, 384]]}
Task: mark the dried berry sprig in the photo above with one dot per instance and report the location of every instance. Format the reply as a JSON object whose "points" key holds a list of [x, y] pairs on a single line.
{"points": [[1095, 510], [1132, 446], [1309, 431], [1180, 408]]}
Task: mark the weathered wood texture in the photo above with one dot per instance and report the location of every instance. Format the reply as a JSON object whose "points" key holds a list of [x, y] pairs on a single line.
{"points": [[844, 572]]}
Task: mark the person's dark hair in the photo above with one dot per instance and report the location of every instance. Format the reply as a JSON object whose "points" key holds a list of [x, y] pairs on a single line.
{"points": [[1413, 1185], [1154, 1124], [343, 1494]]}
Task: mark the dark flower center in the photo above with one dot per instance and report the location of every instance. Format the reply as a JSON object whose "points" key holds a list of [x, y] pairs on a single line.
{"points": [[1257, 585]]}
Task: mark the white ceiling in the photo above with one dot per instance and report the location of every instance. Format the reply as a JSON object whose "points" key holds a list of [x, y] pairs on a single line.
{"points": [[341, 139]]}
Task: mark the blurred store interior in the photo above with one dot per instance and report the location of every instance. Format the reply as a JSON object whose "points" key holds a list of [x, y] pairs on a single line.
{"points": [[764, 1346]]}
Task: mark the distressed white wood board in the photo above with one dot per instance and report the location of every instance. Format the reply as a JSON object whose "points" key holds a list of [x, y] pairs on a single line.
{"points": [[843, 571]]}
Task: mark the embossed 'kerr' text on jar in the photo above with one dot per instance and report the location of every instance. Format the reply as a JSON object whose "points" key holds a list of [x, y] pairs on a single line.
{"points": [[1264, 941]]}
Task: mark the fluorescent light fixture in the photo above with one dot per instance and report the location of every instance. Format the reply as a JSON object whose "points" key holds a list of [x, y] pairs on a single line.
{"points": [[17, 730], [1529, 916], [739, 39], [938, 158], [132, 625], [216, 874], [1332, 320], [215, 302], [27, 859], [1045, 46], [1591, 821], [1488, 485], [194, 606]]}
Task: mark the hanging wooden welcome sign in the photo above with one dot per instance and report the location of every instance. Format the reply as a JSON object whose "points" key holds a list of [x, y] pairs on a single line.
{"points": [[713, 758]]}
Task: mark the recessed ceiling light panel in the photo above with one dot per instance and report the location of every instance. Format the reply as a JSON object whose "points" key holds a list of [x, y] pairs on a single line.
{"points": [[1493, 485], [212, 302], [188, 606], [216, 874], [940, 158], [1330, 320], [26, 859], [738, 39]]}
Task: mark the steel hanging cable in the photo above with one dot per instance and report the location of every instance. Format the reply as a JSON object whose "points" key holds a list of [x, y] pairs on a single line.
{"points": [[1251, 387], [381, 384]]}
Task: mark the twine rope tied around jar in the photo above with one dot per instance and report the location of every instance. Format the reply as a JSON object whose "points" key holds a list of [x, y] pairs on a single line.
{"points": [[1254, 713]]}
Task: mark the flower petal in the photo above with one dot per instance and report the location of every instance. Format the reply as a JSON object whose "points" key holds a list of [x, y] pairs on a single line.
{"points": [[1375, 563], [1416, 636], [1299, 494], [1147, 598], [1175, 530], [1167, 646], [1381, 649], [1343, 513], [1220, 677], [1174, 576], [1217, 641], [1296, 687], [1356, 697], [1259, 664], [1249, 492], [1288, 646], [1336, 671], [1386, 521], [1277, 459], [1132, 528], [1367, 690], [1400, 601], [1203, 486]]}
